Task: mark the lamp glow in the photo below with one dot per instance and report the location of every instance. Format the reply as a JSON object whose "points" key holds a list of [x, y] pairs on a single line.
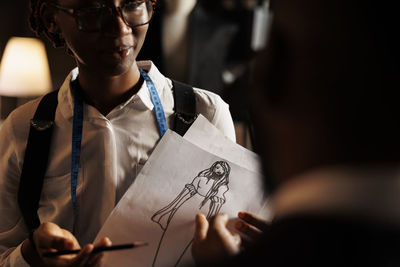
{"points": [[24, 70]]}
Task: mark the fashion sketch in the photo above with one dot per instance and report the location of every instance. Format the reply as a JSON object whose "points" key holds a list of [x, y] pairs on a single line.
{"points": [[206, 193]]}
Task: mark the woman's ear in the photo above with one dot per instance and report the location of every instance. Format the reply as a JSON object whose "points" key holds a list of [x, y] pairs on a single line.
{"points": [[52, 29]]}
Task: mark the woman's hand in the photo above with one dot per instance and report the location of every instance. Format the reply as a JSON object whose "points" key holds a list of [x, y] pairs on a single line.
{"points": [[49, 237], [213, 242]]}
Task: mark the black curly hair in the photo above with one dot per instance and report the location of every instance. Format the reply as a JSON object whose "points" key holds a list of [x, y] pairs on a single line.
{"points": [[37, 26]]}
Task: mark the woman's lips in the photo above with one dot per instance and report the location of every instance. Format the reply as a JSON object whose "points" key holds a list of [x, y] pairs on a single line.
{"points": [[119, 52], [122, 53]]}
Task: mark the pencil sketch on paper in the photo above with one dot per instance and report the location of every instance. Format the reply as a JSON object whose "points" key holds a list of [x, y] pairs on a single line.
{"points": [[210, 184]]}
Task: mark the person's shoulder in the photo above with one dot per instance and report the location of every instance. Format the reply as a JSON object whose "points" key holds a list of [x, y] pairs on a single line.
{"points": [[211, 105], [25, 112], [215, 110], [208, 99], [18, 121]]}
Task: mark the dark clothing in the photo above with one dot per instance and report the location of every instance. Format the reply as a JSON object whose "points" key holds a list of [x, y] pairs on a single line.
{"points": [[325, 241]]}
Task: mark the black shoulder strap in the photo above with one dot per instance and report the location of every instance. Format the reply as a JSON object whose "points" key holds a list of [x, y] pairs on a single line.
{"points": [[38, 146], [35, 160], [185, 107]]}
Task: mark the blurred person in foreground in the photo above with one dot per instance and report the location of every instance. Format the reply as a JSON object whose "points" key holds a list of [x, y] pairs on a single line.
{"points": [[327, 124]]}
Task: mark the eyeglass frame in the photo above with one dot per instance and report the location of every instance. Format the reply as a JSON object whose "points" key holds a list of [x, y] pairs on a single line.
{"points": [[118, 10]]}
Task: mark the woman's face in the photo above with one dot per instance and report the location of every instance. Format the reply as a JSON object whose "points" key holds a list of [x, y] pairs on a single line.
{"points": [[111, 51], [218, 169]]}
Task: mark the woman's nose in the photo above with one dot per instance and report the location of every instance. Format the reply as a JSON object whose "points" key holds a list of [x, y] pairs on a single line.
{"points": [[117, 25]]}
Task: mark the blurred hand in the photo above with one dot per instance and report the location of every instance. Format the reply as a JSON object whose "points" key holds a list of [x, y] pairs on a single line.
{"points": [[49, 237], [251, 226], [213, 242]]}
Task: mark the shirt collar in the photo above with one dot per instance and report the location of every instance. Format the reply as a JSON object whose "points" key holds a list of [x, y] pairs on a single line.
{"points": [[141, 100], [370, 192]]}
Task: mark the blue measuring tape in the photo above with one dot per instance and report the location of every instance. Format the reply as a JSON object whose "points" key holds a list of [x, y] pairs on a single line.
{"points": [[77, 127], [158, 109]]}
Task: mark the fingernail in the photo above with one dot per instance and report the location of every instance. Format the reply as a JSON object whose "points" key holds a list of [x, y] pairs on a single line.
{"points": [[89, 248], [237, 239], [239, 225], [108, 241]]}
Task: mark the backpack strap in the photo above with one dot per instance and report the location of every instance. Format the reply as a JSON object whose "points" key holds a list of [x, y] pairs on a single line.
{"points": [[38, 146], [185, 107], [36, 158]]}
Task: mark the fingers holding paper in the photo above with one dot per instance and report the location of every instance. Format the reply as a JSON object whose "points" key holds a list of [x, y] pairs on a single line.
{"points": [[251, 225], [213, 242]]}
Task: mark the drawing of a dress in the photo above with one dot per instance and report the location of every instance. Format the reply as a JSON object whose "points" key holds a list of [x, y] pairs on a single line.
{"points": [[206, 193]]}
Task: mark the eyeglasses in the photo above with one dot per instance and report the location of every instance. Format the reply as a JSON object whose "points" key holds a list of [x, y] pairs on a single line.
{"points": [[95, 18]]}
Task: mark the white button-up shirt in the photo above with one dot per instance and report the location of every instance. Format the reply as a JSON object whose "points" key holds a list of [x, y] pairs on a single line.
{"points": [[114, 148]]}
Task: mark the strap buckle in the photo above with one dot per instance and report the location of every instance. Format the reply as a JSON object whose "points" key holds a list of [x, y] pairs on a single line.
{"points": [[189, 121], [41, 125]]}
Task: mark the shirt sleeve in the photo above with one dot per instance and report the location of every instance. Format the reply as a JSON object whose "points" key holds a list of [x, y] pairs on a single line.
{"points": [[12, 228], [223, 120], [14, 259], [212, 107]]}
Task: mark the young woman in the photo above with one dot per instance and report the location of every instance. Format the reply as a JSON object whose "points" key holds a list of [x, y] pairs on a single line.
{"points": [[119, 128]]}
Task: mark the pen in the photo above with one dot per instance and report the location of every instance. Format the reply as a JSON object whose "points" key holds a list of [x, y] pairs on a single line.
{"points": [[97, 249]]}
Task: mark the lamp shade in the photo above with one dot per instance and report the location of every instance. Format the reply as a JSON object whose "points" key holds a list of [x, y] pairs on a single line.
{"points": [[24, 69]]}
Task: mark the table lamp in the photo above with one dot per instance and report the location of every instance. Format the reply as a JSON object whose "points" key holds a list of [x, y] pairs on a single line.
{"points": [[24, 72]]}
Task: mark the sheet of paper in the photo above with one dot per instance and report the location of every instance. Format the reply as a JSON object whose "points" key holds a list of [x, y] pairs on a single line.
{"points": [[205, 135], [178, 181]]}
